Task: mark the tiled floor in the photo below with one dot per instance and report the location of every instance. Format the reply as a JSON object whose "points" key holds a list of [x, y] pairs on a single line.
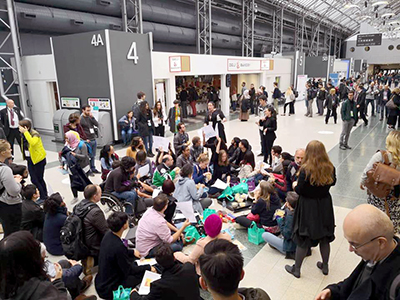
{"points": [[265, 266]]}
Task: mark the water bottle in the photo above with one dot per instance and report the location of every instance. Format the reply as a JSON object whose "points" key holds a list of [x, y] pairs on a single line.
{"points": [[224, 204], [232, 231]]}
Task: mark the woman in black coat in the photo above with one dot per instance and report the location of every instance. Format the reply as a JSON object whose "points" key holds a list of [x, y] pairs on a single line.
{"points": [[146, 127], [394, 113], [269, 128], [216, 116], [331, 103], [314, 221]]}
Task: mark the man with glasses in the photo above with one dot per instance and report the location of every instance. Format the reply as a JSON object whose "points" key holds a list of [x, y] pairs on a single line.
{"points": [[370, 234]]}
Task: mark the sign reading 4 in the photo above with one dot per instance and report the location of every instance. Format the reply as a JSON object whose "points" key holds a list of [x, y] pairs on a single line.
{"points": [[132, 53]]}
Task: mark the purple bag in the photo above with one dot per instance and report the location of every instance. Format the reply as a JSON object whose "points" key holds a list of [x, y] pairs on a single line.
{"points": [[252, 184]]}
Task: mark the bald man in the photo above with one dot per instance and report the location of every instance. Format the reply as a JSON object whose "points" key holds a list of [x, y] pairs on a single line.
{"points": [[293, 168], [370, 234], [10, 117]]}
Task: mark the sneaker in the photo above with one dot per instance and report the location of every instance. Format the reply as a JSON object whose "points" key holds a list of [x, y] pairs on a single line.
{"points": [[260, 154], [342, 147], [75, 200], [150, 154], [347, 146], [91, 174], [95, 171]]}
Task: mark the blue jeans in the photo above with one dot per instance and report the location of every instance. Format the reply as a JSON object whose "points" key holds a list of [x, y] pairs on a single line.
{"points": [[148, 142], [93, 145], [129, 196], [126, 135], [274, 241]]}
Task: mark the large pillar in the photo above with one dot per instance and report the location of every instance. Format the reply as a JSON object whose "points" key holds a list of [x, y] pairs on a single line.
{"points": [[225, 97]]}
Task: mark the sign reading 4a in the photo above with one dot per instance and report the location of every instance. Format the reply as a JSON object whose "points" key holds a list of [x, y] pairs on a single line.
{"points": [[97, 40]]}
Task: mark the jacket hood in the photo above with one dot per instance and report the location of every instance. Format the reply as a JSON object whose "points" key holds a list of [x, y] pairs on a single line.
{"points": [[81, 208], [182, 181]]}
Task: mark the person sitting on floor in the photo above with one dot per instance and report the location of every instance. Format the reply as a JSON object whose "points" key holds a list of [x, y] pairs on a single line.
{"points": [[285, 244], [116, 262], [143, 161], [168, 189], [164, 171], [221, 268], [246, 165], [186, 190], [233, 150], [212, 227], [196, 149], [222, 171], [263, 210], [153, 229], [293, 168], [56, 214], [184, 158], [32, 214], [201, 170], [177, 281], [107, 157], [135, 146]]}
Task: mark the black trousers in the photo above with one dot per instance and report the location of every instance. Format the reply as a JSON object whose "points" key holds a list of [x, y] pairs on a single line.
{"points": [[12, 135], [10, 216], [159, 131], [184, 113], [73, 284], [361, 110], [37, 176], [268, 143], [284, 107], [261, 141], [243, 221], [331, 112]]}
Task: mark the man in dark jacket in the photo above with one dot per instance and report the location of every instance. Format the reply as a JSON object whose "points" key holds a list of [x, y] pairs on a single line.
{"points": [[361, 94], [252, 94], [9, 118], [141, 96], [349, 118], [117, 264], [343, 89], [293, 168], [89, 123], [276, 96], [32, 214], [177, 281], [180, 138], [384, 96], [221, 268], [370, 234], [94, 223]]}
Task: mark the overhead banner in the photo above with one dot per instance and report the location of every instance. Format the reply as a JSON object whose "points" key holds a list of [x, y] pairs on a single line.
{"points": [[373, 39]]}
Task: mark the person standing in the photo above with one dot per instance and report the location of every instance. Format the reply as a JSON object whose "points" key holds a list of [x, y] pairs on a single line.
{"points": [[343, 89], [183, 96], [394, 112], [331, 103], [234, 98], [174, 116], [311, 93], [10, 117], [141, 96], [349, 118], [88, 123], [244, 106], [389, 204], [321, 96], [146, 126], [276, 96], [361, 103], [193, 97], [289, 97], [159, 119], [216, 116], [314, 221], [252, 93], [10, 197], [35, 156], [370, 98], [269, 128], [261, 115], [74, 124], [384, 95]]}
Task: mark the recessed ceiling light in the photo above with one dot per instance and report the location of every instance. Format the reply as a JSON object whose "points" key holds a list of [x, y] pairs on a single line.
{"points": [[387, 15], [348, 6], [380, 2]]}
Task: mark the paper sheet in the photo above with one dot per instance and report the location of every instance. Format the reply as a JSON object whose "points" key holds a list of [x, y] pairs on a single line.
{"points": [[219, 184], [148, 278], [209, 131], [186, 208], [148, 261], [155, 193], [143, 171], [159, 141]]}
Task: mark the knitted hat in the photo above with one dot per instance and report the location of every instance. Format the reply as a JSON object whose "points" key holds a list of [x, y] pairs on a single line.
{"points": [[213, 225]]}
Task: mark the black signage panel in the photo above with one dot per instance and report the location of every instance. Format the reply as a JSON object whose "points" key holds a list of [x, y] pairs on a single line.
{"points": [[374, 39]]}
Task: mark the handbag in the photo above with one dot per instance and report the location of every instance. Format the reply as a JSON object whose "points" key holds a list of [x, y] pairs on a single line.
{"points": [[121, 293], [382, 178], [390, 104], [207, 212], [254, 234]]}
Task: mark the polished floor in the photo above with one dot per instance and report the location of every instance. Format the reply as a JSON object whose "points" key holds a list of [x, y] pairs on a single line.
{"points": [[265, 266]]}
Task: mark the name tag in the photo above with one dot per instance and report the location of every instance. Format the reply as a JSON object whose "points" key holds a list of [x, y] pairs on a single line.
{"points": [[351, 113], [91, 130], [27, 154], [149, 123]]}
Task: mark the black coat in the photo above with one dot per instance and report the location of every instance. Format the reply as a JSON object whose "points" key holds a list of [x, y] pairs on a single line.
{"points": [[116, 264], [51, 231], [396, 111], [361, 98], [32, 218], [271, 125], [380, 96], [145, 123], [216, 118], [42, 289], [180, 282], [314, 216], [376, 287], [78, 178], [245, 105], [4, 118], [171, 119]]}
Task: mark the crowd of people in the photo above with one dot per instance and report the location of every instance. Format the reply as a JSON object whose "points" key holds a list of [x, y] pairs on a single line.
{"points": [[291, 198]]}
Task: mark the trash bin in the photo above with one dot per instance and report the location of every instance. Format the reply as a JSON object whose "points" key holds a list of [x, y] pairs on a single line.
{"points": [[57, 125], [105, 129]]}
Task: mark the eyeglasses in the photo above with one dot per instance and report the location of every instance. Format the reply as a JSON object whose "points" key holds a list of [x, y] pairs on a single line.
{"points": [[362, 245]]}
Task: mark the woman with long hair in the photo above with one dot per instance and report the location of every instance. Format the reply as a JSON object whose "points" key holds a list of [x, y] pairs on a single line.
{"points": [[127, 125], [314, 220], [247, 165], [269, 136], [135, 146], [146, 127], [331, 103], [35, 155], [107, 157], [222, 171], [390, 204], [289, 98], [159, 118]]}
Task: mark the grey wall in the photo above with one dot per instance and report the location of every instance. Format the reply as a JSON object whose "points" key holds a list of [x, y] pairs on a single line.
{"points": [[130, 78], [81, 67], [315, 67]]}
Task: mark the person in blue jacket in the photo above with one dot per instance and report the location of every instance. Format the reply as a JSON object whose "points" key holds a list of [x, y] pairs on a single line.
{"points": [[201, 170], [284, 244]]}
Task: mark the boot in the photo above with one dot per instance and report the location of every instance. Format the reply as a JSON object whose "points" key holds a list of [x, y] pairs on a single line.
{"points": [[87, 281], [292, 270], [87, 265], [323, 267], [84, 297], [290, 255]]}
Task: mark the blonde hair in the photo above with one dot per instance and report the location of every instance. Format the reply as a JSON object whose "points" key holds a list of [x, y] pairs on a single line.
{"points": [[289, 91], [4, 145], [266, 190], [317, 165], [393, 145], [332, 91], [203, 157]]}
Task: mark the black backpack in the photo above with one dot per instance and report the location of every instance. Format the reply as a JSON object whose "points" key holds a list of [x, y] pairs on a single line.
{"points": [[313, 93], [71, 235]]}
